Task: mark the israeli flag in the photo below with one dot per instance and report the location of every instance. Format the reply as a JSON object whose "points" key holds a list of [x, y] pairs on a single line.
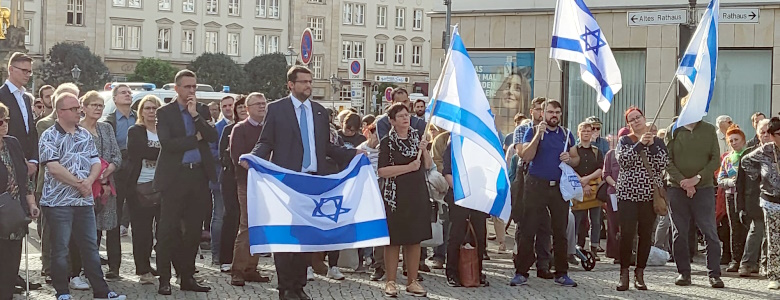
{"points": [[461, 107], [698, 67], [296, 212], [576, 37]]}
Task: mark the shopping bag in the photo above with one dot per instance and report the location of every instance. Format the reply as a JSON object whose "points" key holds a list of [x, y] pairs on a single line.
{"points": [[570, 185], [657, 257], [468, 261]]}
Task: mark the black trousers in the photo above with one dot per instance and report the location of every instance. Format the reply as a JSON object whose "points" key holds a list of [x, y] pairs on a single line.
{"points": [[291, 270], [143, 220], [181, 219], [124, 192], [460, 217], [10, 257], [542, 198], [229, 228], [635, 215], [738, 230]]}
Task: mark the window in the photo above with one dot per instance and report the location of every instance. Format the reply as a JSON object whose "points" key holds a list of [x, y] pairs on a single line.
{"points": [[316, 62], [380, 53], [118, 37], [188, 41], [346, 50], [260, 8], [133, 37], [188, 6], [259, 44], [234, 7], [316, 24], [360, 13], [317, 1], [232, 48], [75, 14], [416, 55], [212, 7], [400, 14], [347, 18], [165, 4], [267, 8], [134, 3], [120, 3], [399, 54], [357, 50], [212, 38], [27, 30], [163, 39], [418, 19], [346, 94], [381, 16], [273, 9], [273, 44]]}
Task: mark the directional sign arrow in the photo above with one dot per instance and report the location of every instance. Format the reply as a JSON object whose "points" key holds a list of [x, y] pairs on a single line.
{"points": [[752, 15], [633, 19]]}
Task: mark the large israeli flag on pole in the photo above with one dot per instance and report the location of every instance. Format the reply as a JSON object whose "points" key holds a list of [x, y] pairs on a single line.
{"points": [[297, 212], [698, 67], [576, 37], [461, 107]]}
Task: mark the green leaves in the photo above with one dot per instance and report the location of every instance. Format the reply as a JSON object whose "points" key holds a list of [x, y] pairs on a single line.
{"points": [[153, 70], [61, 59]]}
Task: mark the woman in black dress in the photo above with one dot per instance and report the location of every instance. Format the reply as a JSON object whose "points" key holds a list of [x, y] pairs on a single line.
{"points": [[405, 192]]}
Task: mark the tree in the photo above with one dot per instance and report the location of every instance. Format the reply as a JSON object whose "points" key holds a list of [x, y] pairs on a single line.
{"points": [[217, 70], [63, 57], [153, 70], [267, 74]]}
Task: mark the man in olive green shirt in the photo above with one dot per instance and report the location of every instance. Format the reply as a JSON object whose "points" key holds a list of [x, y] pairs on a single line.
{"points": [[694, 155]]}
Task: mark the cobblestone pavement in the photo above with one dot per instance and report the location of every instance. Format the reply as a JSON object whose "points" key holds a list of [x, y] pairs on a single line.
{"points": [[596, 284]]}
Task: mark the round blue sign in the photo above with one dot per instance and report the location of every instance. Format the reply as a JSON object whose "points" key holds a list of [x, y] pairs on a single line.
{"points": [[306, 46], [355, 67]]}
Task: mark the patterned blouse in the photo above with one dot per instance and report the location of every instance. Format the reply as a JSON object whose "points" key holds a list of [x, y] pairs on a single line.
{"points": [[634, 182], [763, 162]]}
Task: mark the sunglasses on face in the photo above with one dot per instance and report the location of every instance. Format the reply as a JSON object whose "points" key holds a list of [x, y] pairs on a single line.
{"points": [[4, 121]]}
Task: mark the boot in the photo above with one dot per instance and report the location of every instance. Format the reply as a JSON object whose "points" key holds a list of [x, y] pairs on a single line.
{"points": [[594, 251], [639, 279], [623, 286]]}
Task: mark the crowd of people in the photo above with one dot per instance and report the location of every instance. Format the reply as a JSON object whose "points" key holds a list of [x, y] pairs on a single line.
{"points": [[170, 172]]}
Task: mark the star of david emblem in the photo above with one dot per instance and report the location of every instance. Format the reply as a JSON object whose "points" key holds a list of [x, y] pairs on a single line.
{"points": [[593, 40], [329, 208]]}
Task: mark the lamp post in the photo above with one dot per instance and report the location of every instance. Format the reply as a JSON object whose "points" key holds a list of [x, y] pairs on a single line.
{"points": [[291, 55], [75, 72]]}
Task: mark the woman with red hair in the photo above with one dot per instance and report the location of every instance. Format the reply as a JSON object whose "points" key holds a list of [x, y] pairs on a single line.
{"points": [[727, 179]]}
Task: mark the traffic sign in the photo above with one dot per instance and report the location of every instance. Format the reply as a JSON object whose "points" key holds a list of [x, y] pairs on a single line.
{"points": [[356, 70], [307, 44], [356, 92], [389, 94], [735, 15], [657, 17]]}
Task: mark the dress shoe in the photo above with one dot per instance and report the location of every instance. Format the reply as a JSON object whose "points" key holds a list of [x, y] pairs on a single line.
{"points": [[254, 276], [423, 267], [716, 282], [165, 287], [683, 280], [237, 280], [438, 264], [189, 284], [544, 274], [23, 284], [287, 295], [378, 274], [302, 295]]}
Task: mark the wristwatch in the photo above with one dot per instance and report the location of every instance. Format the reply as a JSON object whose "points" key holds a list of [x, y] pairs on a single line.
{"points": [[698, 176]]}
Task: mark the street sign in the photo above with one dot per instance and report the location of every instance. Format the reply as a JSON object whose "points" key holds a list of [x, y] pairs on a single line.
{"points": [[389, 94], [356, 70], [735, 15], [356, 92], [392, 79], [657, 17], [307, 44]]}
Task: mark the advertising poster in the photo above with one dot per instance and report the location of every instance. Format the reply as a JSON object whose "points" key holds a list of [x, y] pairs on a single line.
{"points": [[507, 78]]}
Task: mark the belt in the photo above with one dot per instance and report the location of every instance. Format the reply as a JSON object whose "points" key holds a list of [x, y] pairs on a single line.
{"points": [[544, 181], [191, 166]]}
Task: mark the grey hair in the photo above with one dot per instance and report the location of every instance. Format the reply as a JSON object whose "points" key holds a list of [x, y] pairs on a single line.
{"points": [[762, 123], [721, 119]]}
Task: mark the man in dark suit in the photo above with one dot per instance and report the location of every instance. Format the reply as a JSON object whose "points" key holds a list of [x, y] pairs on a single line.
{"points": [[296, 136], [184, 168], [22, 123]]}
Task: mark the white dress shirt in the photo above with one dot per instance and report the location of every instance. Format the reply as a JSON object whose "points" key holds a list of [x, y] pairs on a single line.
{"points": [[19, 95], [310, 122]]}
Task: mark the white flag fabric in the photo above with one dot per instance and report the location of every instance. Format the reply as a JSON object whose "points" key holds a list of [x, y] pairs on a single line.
{"points": [[461, 107], [698, 67], [576, 37], [297, 212]]}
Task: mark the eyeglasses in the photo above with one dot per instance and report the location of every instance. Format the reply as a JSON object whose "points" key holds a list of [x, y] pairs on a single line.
{"points": [[256, 104], [72, 109], [4, 121], [96, 106], [596, 128], [25, 71], [637, 118]]}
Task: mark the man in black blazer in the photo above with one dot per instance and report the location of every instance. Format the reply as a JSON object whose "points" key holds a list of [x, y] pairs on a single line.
{"points": [[22, 120], [183, 171], [296, 136]]}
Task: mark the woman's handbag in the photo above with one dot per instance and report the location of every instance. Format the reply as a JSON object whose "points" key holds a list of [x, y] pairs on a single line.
{"points": [[437, 234], [659, 192], [147, 195], [469, 260], [12, 216], [602, 194]]}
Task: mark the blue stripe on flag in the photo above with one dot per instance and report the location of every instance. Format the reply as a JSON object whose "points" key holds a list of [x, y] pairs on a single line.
{"points": [[688, 60], [310, 235], [606, 91], [467, 119], [566, 44], [583, 7], [457, 45], [457, 186], [712, 47], [502, 187], [309, 185]]}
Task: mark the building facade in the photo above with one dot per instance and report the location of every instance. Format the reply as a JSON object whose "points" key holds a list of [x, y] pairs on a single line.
{"points": [[509, 43]]}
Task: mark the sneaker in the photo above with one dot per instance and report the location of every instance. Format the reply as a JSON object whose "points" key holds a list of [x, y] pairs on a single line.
{"points": [[716, 282], [745, 271], [573, 260], [361, 269], [683, 280], [78, 283], [113, 296], [391, 289], [112, 276], [518, 280], [64, 297], [335, 273], [224, 268], [437, 264], [424, 268], [309, 274], [565, 281], [453, 282], [416, 290], [733, 267], [773, 285], [378, 274], [122, 231], [502, 248], [147, 278]]}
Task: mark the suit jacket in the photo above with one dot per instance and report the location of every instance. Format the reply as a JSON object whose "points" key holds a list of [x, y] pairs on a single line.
{"points": [[174, 142], [281, 138], [16, 128]]}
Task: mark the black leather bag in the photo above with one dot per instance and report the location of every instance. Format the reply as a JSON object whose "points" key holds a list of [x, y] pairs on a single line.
{"points": [[12, 216], [147, 195]]}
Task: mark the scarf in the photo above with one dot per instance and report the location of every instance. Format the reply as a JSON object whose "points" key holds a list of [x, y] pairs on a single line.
{"points": [[396, 144], [736, 156]]}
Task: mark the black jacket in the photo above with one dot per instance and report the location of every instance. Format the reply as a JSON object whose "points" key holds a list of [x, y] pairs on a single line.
{"points": [[138, 150], [16, 127], [748, 191]]}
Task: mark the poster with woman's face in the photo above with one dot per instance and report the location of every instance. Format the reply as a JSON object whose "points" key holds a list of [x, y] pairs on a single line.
{"points": [[507, 78]]}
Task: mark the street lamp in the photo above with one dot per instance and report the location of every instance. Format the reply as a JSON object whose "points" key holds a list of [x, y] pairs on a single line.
{"points": [[291, 55], [335, 82], [75, 72]]}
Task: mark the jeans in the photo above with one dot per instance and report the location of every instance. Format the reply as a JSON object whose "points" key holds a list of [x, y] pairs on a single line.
{"points": [[216, 224], [76, 223], [753, 246], [701, 210], [10, 256], [595, 226], [636, 218], [662, 233], [542, 198], [440, 252]]}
